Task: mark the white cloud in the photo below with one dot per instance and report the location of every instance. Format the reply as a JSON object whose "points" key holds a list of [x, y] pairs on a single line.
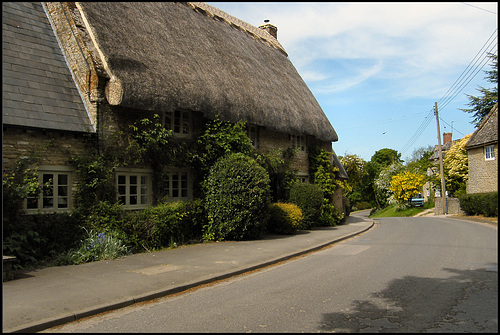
{"points": [[336, 84]]}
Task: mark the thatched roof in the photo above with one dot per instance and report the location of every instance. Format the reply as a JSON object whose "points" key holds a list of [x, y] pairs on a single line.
{"points": [[164, 55], [487, 132]]}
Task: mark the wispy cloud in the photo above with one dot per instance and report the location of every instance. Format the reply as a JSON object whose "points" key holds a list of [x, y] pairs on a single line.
{"points": [[338, 84]]}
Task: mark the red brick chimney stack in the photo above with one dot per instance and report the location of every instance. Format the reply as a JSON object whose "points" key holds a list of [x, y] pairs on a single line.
{"points": [[446, 138]]}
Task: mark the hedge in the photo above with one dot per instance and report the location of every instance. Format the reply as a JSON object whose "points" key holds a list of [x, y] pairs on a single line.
{"points": [[480, 204]]}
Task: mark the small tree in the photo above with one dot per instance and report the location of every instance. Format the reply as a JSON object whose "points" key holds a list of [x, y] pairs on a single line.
{"points": [[406, 184], [326, 177], [383, 182], [456, 167]]}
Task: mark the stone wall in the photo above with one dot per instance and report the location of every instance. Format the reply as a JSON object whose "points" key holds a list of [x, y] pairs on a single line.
{"points": [[483, 174], [55, 147], [453, 205]]}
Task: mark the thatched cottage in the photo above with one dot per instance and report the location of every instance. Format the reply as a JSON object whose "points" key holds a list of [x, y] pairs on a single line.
{"points": [[482, 150], [77, 68]]}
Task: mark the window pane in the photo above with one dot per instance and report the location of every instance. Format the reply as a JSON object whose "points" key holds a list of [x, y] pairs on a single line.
{"points": [[185, 123], [121, 189], [47, 180], [62, 202], [489, 152], [133, 180], [175, 181], [62, 179], [133, 200], [168, 120], [62, 191], [133, 189], [177, 122], [121, 179], [48, 202]]}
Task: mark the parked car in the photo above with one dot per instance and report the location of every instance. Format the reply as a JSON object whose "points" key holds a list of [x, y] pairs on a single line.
{"points": [[417, 200]]}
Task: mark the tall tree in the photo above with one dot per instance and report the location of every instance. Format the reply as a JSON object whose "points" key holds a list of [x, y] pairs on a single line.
{"points": [[385, 157], [482, 104]]}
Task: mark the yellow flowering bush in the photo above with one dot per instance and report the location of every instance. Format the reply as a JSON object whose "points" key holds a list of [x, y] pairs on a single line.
{"points": [[456, 167], [406, 184], [285, 218]]}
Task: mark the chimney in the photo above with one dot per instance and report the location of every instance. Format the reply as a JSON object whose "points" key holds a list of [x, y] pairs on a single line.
{"points": [[446, 138], [272, 30]]}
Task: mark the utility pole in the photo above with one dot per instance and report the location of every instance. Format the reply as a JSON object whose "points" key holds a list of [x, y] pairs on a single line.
{"points": [[441, 167]]}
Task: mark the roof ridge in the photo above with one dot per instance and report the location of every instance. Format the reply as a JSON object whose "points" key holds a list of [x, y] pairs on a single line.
{"points": [[251, 30], [492, 111]]}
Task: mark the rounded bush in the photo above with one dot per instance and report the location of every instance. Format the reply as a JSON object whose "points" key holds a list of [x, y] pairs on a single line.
{"points": [[284, 218], [309, 198], [237, 198]]}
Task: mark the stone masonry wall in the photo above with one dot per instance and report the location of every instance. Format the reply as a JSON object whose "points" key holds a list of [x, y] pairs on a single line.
{"points": [[271, 140], [452, 204], [19, 143], [483, 174]]}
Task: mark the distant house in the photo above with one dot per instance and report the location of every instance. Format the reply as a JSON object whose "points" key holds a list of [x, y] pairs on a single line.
{"points": [[434, 159], [482, 149], [90, 68]]}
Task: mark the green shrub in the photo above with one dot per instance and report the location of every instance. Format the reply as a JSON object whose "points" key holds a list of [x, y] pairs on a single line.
{"points": [[105, 216], [192, 217], [362, 205], [309, 198], [480, 204], [237, 197], [164, 225], [95, 247], [284, 218], [35, 239], [330, 215]]}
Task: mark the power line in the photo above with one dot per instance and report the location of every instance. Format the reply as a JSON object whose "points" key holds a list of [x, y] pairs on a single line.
{"points": [[452, 126], [444, 101], [478, 7], [417, 133]]}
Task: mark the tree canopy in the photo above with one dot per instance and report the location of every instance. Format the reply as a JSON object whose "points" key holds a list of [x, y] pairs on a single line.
{"points": [[482, 104]]}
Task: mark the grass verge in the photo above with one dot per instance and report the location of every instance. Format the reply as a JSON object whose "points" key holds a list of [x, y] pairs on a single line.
{"points": [[392, 211]]}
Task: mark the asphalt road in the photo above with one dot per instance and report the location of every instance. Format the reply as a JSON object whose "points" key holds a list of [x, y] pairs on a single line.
{"points": [[422, 274]]}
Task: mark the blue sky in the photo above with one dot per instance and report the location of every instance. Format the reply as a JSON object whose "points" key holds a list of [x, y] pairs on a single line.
{"points": [[377, 69]]}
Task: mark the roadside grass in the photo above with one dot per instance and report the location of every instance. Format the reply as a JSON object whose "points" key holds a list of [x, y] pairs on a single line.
{"points": [[391, 211]]}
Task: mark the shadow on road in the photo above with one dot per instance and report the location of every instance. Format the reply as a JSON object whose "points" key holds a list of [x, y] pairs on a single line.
{"points": [[467, 301]]}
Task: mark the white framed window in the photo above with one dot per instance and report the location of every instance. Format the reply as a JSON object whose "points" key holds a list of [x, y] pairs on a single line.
{"points": [[489, 152], [177, 184], [179, 122], [134, 188], [298, 142], [55, 194]]}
